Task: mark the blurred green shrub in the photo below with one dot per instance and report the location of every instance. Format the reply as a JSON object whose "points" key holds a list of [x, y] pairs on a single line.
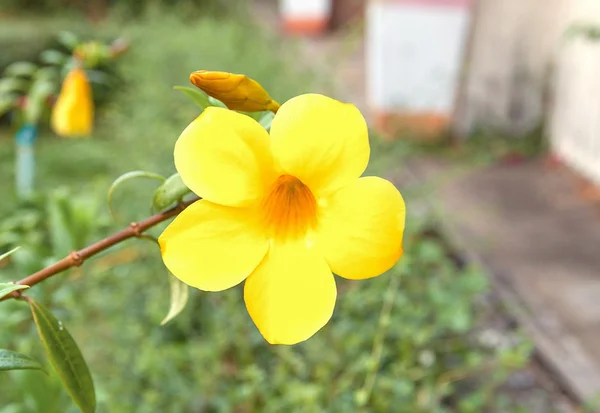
{"points": [[50, 226], [130, 8], [27, 89], [587, 30]]}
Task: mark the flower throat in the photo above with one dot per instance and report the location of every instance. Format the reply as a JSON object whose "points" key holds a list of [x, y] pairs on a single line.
{"points": [[289, 209]]}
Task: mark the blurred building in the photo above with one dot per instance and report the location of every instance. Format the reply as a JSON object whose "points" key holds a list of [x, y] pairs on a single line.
{"points": [[509, 66], [438, 68]]}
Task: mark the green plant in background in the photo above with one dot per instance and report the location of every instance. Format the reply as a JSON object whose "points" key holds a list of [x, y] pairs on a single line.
{"points": [[27, 91], [129, 8], [26, 88], [586, 30], [50, 226]]}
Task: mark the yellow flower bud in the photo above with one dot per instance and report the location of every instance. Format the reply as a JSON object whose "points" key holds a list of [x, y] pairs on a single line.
{"points": [[73, 112], [237, 92]]}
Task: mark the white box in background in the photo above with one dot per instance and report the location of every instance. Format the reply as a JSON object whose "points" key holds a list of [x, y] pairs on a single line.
{"points": [[414, 58], [305, 16]]}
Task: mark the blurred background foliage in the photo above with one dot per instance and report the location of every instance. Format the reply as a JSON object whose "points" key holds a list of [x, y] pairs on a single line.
{"points": [[126, 8], [415, 340]]}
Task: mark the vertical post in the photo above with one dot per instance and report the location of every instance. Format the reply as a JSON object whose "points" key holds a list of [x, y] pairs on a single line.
{"points": [[25, 161]]}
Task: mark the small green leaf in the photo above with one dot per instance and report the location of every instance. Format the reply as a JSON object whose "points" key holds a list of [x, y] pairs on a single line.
{"points": [[38, 94], [65, 356], [58, 212], [127, 177], [11, 360], [171, 191], [97, 76], [216, 102], [53, 57], [589, 31], [7, 288], [7, 103], [266, 119], [179, 298], [25, 69], [14, 84], [200, 98], [68, 39], [254, 115], [7, 254], [47, 73]]}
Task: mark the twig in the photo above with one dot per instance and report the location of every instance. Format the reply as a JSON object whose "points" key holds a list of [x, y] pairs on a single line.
{"points": [[364, 394], [77, 258]]}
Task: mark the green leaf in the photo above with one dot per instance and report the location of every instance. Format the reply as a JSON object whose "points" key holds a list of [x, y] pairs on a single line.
{"points": [[7, 103], [589, 31], [171, 191], [266, 119], [97, 76], [254, 115], [217, 102], [7, 254], [127, 177], [59, 228], [47, 73], [7, 288], [68, 39], [26, 69], [200, 98], [14, 84], [38, 94], [53, 57], [179, 298], [11, 360], [65, 356]]}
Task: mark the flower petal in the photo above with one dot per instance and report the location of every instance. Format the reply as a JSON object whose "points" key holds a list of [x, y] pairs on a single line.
{"points": [[361, 227], [212, 247], [73, 112], [291, 295], [322, 142], [224, 157]]}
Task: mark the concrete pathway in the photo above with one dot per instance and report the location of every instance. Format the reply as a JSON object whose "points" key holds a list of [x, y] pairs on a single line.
{"points": [[541, 242]]}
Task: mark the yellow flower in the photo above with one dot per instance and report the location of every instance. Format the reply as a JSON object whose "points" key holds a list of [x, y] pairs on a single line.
{"points": [[237, 92], [282, 212], [73, 112]]}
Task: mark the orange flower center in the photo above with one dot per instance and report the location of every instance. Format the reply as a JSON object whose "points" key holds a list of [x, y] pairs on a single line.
{"points": [[289, 209]]}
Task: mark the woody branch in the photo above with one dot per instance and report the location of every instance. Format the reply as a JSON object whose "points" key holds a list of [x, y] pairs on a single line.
{"points": [[77, 258]]}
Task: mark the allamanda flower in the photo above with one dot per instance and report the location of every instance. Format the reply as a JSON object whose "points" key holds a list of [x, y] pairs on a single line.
{"points": [[282, 212], [73, 112]]}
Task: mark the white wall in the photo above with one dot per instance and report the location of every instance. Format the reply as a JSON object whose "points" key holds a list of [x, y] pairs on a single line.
{"points": [[512, 49], [574, 125]]}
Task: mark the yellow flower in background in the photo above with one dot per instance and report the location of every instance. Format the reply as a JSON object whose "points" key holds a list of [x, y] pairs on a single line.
{"points": [[73, 112], [282, 212], [237, 92]]}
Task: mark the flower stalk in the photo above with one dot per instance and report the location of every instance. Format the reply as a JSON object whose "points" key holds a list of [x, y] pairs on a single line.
{"points": [[77, 258]]}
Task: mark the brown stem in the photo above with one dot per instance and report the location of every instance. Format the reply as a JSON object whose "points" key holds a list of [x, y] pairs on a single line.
{"points": [[76, 258]]}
